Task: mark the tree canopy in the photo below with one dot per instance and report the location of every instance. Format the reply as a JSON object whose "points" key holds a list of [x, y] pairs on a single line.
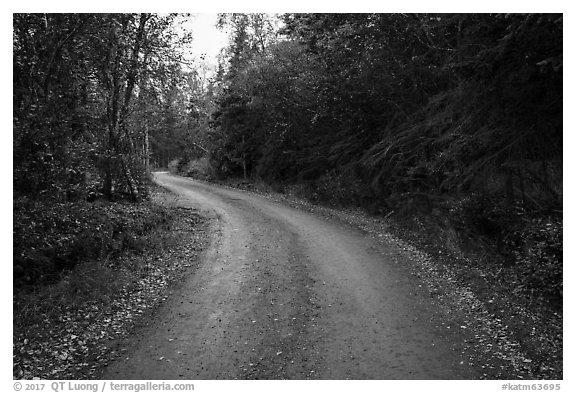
{"points": [[368, 108], [398, 104], [87, 89]]}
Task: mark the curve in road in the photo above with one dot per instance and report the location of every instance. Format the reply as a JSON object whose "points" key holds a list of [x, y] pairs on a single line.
{"points": [[283, 294]]}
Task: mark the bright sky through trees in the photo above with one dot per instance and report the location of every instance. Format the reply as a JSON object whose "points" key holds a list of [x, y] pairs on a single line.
{"points": [[208, 39]]}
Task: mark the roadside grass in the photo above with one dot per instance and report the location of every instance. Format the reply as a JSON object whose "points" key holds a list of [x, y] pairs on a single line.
{"points": [[85, 273]]}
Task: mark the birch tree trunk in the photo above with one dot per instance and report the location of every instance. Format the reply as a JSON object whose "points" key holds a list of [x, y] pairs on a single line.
{"points": [[121, 83], [146, 150]]}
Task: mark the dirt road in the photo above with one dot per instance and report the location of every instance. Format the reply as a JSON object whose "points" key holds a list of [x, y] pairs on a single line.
{"points": [[284, 294]]}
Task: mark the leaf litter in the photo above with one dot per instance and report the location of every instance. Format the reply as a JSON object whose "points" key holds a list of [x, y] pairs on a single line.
{"points": [[77, 341]]}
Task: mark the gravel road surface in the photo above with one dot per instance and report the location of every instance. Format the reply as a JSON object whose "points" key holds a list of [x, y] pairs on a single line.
{"points": [[283, 294]]}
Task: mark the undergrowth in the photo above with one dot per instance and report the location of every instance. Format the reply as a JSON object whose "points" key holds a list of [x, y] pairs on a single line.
{"points": [[68, 254], [86, 272], [50, 239]]}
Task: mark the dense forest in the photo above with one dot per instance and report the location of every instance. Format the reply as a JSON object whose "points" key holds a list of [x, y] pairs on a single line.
{"points": [[457, 117], [446, 128], [454, 119]]}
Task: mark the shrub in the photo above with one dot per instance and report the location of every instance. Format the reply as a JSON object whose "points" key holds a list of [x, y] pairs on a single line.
{"points": [[200, 168], [529, 243], [173, 166], [538, 258], [339, 189], [53, 237]]}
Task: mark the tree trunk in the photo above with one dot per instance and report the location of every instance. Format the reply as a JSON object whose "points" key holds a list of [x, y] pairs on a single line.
{"points": [[107, 168], [119, 106], [146, 150], [129, 179], [244, 158], [107, 189]]}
